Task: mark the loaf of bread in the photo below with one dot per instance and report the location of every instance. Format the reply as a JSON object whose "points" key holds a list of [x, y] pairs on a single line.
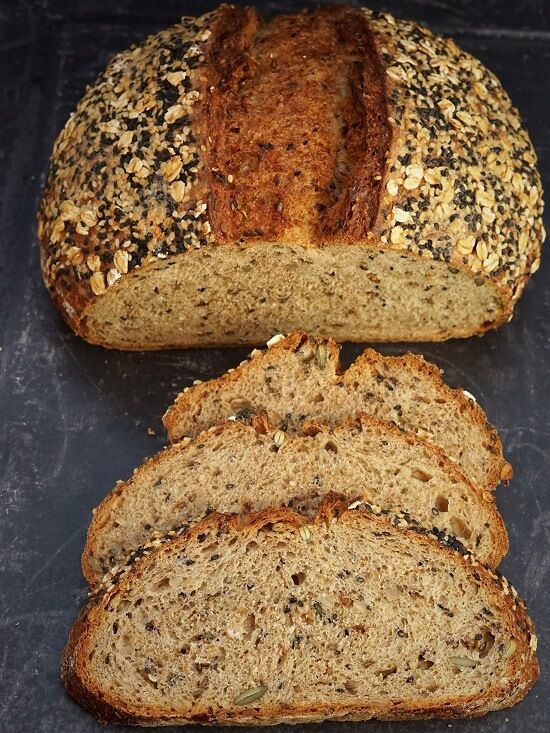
{"points": [[273, 618], [238, 468], [299, 378], [338, 170]]}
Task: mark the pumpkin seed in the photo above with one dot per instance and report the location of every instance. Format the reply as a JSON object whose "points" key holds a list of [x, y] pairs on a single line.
{"points": [[248, 696]]}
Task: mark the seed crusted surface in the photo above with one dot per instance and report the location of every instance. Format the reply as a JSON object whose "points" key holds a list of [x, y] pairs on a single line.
{"points": [[461, 182], [124, 191], [330, 512], [123, 188]]}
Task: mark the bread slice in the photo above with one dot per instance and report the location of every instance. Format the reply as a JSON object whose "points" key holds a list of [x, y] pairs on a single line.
{"points": [[300, 378], [238, 468], [274, 618]]}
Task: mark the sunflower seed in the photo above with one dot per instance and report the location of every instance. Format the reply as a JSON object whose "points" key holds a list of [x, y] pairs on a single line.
{"points": [[177, 191], [134, 165], [305, 533], [175, 77], [172, 168], [69, 211], [251, 695], [279, 438], [112, 276], [88, 216], [174, 113], [463, 662], [397, 235], [392, 188], [321, 355]]}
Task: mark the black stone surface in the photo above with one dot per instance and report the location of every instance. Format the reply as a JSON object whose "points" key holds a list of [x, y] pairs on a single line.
{"points": [[74, 417]]}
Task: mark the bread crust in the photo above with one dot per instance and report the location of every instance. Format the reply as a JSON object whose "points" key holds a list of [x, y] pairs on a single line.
{"points": [[522, 669], [442, 165], [500, 469], [261, 425]]}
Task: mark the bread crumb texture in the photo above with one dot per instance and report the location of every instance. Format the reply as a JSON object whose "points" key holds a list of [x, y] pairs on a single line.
{"points": [[235, 468], [299, 379], [274, 618]]}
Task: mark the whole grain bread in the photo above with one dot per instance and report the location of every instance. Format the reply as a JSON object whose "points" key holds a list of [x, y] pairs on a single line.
{"points": [[274, 618], [237, 468], [218, 184], [300, 378]]}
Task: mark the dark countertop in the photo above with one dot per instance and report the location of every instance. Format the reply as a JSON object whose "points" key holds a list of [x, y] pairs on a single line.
{"points": [[75, 417]]}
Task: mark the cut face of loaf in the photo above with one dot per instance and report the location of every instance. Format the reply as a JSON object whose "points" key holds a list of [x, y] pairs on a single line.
{"points": [[299, 378], [232, 296], [238, 468], [271, 618], [237, 187]]}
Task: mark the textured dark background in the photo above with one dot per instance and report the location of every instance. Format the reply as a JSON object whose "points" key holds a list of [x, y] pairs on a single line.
{"points": [[74, 417]]}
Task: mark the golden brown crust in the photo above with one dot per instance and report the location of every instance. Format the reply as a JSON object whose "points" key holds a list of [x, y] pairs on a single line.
{"points": [[297, 126], [136, 182], [522, 670], [367, 135], [103, 513], [500, 470], [76, 686], [461, 182]]}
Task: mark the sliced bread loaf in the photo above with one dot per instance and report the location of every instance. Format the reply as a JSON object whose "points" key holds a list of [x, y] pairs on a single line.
{"points": [[216, 184], [300, 378], [271, 618], [237, 468]]}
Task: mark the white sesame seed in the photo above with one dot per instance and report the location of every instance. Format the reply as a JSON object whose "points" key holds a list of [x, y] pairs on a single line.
{"points": [[275, 340], [392, 188]]}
